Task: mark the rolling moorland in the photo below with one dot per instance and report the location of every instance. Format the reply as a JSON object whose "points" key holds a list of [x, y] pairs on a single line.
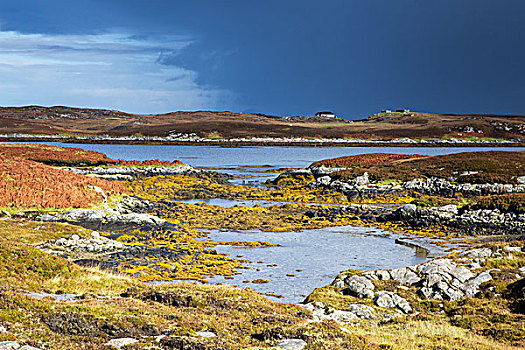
{"points": [[80, 235], [67, 121]]}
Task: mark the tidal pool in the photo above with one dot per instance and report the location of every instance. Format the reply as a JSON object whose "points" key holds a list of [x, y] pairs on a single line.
{"points": [[310, 259]]}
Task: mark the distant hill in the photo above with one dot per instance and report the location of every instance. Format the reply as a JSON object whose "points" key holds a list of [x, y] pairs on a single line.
{"points": [[81, 121]]}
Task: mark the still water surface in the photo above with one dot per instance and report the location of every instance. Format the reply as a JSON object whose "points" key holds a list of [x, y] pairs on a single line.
{"points": [[319, 254], [311, 258], [275, 157]]}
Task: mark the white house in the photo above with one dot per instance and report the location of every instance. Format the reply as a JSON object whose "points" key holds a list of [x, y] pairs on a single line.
{"points": [[325, 115]]}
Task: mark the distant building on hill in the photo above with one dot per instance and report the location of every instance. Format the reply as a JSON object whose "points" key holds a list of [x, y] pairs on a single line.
{"points": [[404, 110], [325, 114]]}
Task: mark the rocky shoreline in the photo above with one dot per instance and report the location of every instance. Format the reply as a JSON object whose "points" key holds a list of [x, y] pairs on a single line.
{"points": [[129, 173], [362, 186], [475, 221], [463, 274], [136, 243], [444, 278], [194, 140], [469, 222]]}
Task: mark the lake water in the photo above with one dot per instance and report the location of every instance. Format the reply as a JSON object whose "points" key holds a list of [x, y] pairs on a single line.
{"points": [[272, 157], [319, 254]]}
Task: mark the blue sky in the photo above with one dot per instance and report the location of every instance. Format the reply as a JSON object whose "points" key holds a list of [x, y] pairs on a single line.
{"points": [[293, 57]]}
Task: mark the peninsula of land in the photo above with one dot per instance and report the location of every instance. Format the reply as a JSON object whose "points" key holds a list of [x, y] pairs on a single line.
{"points": [[67, 124]]}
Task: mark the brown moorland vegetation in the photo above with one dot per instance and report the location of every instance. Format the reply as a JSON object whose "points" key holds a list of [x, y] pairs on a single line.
{"points": [[61, 120], [465, 167], [512, 202], [25, 183], [55, 155], [47, 153], [364, 159]]}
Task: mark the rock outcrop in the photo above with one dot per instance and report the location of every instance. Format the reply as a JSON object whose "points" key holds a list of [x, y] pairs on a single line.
{"points": [[438, 279], [89, 217], [125, 173]]}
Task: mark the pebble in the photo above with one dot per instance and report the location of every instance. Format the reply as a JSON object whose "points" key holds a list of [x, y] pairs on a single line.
{"points": [[292, 344], [513, 249], [121, 342], [206, 334]]}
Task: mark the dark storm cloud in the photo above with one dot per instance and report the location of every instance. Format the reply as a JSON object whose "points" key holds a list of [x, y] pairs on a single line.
{"points": [[291, 57]]}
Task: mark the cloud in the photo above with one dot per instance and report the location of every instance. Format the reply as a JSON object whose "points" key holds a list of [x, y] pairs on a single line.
{"points": [[110, 70]]}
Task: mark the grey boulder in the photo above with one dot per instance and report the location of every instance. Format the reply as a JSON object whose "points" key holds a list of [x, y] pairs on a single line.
{"points": [[391, 300], [359, 286]]}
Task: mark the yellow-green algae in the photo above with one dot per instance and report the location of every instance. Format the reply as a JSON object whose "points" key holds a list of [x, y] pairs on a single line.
{"points": [[484, 323], [239, 317], [175, 187], [111, 305], [199, 263]]}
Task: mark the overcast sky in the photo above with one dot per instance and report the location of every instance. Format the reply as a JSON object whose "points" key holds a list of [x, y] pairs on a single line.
{"points": [[295, 57]]}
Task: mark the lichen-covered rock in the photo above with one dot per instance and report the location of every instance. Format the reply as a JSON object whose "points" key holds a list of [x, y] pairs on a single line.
{"points": [[363, 311], [479, 253], [407, 211], [323, 181], [355, 311], [96, 244], [83, 215], [93, 216], [404, 276], [359, 286], [391, 300], [471, 288]]}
